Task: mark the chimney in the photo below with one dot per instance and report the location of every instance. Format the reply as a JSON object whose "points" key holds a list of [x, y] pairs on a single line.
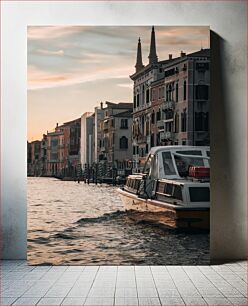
{"points": [[101, 104], [170, 56], [183, 54], [57, 125]]}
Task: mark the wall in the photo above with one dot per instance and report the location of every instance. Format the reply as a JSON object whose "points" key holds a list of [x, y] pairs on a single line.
{"points": [[228, 107]]}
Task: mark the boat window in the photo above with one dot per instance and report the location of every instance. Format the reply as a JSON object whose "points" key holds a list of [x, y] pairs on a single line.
{"points": [[190, 152], [169, 189], [175, 191], [183, 163], [199, 194], [177, 194], [168, 164]]}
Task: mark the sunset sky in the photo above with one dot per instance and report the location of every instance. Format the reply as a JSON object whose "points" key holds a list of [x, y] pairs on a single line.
{"points": [[71, 69]]}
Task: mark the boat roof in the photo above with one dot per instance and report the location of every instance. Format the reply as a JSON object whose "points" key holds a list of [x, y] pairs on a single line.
{"points": [[155, 150]]}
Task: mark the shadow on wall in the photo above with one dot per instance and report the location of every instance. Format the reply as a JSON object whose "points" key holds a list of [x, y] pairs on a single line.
{"points": [[225, 229]]}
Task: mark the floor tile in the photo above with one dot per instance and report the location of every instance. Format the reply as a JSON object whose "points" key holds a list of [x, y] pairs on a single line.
{"points": [[58, 291], [164, 292], [74, 301], [99, 301], [149, 301], [7, 301], [194, 301], [166, 301], [50, 301], [147, 292], [217, 301], [27, 301], [121, 301], [239, 301], [79, 291], [126, 292], [75, 269], [102, 292]]}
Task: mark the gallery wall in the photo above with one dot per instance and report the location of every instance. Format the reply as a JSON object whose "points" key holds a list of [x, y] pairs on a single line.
{"points": [[227, 20]]}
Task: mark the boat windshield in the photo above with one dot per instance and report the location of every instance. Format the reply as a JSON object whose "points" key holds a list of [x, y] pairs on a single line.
{"points": [[184, 162], [168, 164]]}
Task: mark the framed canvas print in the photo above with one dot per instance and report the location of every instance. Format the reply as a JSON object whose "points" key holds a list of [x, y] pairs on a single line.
{"points": [[118, 148]]}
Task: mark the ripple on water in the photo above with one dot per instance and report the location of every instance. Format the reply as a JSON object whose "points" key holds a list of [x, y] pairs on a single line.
{"points": [[88, 225]]}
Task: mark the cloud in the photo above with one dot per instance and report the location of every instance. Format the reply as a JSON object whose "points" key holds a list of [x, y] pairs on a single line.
{"points": [[126, 85], [49, 52], [39, 79], [51, 32]]}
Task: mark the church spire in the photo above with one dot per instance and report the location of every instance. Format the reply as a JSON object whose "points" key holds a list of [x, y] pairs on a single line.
{"points": [[139, 65], [153, 59]]}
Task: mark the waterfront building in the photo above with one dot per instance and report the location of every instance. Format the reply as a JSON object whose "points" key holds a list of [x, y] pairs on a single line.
{"points": [[55, 156], [34, 167], [87, 138], [97, 132], [116, 134], [63, 149], [170, 101]]}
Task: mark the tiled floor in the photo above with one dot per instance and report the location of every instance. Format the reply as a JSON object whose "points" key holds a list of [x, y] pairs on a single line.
{"points": [[124, 285]]}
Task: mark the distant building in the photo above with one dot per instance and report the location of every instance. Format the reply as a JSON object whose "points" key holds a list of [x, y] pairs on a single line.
{"points": [[87, 138], [34, 167], [116, 134], [171, 101], [63, 149], [98, 118]]}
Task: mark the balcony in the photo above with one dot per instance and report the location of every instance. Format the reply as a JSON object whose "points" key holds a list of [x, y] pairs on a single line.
{"points": [[166, 135], [160, 124], [141, 139], [168, 105]]}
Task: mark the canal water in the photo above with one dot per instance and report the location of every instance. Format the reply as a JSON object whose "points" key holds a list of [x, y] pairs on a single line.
{"points": [[80, 224]]}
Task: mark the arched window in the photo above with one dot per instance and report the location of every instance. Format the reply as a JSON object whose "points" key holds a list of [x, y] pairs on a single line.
{"points": [[123, 142], [184, 121], [176, 126], [147, 95], [176, 92], [153, 117], [184, 90], [158, 115]]}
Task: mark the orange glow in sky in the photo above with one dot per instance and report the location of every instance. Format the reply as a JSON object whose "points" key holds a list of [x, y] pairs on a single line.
{"points": [[71, 69]]}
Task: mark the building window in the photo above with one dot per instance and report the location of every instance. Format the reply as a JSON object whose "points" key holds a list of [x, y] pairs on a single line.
{"points": [[152, 140], [201, 92], [176, 126], [159, 115], [184, 90], [176, 92], [170, 92], [153, 94], [112, 123], [124, 123], [162, 91], [153, 117], [201, 121], [184, 121], [147, 95], [123, 142], [134, 102], [147, 149], [137, 101]]}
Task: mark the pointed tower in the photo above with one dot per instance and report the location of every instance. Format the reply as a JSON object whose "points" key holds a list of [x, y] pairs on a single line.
{"points": [[139, 65], [153, 59]]}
